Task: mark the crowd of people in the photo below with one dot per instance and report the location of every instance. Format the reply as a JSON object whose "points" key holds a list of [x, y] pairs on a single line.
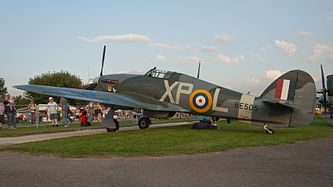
{"points": [[8, 111]]}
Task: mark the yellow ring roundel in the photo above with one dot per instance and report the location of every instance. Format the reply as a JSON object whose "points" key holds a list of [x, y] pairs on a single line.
{"points": [[200, 101]]}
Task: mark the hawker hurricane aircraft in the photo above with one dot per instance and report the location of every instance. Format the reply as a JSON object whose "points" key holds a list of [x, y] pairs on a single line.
{"points": [[288, 102]]}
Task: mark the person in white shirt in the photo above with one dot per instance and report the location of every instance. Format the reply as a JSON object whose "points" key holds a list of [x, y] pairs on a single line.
{"points": [[52, 109]]}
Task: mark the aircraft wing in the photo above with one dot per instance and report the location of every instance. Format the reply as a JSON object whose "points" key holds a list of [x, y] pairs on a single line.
{"points": [[116, 99]]}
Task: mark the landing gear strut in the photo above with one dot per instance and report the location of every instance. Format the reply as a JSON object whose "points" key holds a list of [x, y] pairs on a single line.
{"points": [[112, 129], [144, 122], [111, 124], [268, 131]]}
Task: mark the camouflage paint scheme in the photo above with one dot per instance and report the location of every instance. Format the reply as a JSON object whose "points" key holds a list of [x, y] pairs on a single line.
{"points": [[162, 93]]}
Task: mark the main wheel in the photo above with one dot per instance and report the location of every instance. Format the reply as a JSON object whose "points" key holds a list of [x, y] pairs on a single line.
{"points": [[144, 123], [269, 131], [117, 126]]}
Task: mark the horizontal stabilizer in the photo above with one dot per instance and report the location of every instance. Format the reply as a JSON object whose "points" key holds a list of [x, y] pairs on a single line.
{"points": [[279, 103]]}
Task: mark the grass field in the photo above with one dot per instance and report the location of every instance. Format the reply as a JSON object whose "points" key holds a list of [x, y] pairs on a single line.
{"points": [[174, 140], [4, 132]]}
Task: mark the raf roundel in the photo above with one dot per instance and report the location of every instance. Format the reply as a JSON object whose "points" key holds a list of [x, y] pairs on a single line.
{"points": [[200, 101]]}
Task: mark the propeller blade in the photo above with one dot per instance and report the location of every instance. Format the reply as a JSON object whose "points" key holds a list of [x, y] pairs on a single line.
{"points": [[103, 60], [323, 78], [198, 75], [324, 90]]}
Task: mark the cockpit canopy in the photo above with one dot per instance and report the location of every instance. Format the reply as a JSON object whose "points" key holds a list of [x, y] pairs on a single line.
{"points": [[156, 73]]}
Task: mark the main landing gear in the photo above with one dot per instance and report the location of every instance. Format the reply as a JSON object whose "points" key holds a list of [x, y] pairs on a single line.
{"points": [[114, 129], [111, 124], [268, 131], [144, 122]]}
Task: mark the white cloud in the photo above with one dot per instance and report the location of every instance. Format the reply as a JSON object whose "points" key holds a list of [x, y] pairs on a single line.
{"points": [[318, 49], [253, 80], [224, 38], [226, 59], [124, 38], [265, 47], [192, 48], [330, 16], [136, 38], [302, 33], [167, 46], [289, 48], [255, 57], [208, 48], [191, 60], [230, 60], [161, 58], [273, 74]]}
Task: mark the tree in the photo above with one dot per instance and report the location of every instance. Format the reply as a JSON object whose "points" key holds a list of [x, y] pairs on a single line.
{"points": [[21, 101], [58, 79], [3, 89]]}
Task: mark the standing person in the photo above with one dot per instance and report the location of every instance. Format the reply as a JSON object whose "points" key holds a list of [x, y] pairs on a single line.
{"points": [[52, 109], [98, 111], [32, 107], [63, 103], [2, 112], [91, 112], [12, 113], [37, 116], [7, 109]]}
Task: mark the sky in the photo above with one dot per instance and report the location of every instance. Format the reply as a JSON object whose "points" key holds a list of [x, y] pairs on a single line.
{"points": [[242, 45]]}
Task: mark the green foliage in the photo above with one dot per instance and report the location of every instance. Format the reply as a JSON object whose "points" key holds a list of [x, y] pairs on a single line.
{"points": [[21, 101], [3, 89], [174, 140], [58, 79]]}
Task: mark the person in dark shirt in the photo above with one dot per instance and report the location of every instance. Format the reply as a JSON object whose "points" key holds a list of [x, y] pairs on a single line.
{"points": [[6, 103], [64, 111], [2, 112], [12, 113]]}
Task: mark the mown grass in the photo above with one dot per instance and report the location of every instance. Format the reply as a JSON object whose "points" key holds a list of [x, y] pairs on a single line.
{"points": [[22, 131], [174, 140]]}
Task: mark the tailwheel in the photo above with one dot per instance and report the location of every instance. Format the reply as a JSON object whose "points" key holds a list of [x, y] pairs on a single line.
{"points": [[144, 122], [117, 126], [268, 131]]}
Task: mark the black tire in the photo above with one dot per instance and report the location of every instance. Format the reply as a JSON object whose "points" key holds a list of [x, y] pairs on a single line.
{"points": [[144, 123], [269, 130]]}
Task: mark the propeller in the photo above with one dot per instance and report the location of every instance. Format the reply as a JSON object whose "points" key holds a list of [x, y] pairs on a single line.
{"points": [[103, 57], [198, 75], [323, 90], [93, 85]]}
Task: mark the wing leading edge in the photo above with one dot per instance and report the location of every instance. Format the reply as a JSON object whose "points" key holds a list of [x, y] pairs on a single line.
{"points": [[115, 99]]}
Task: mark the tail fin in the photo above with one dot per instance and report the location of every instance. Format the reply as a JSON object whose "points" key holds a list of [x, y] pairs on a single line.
{"points": [[297, 92]]}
